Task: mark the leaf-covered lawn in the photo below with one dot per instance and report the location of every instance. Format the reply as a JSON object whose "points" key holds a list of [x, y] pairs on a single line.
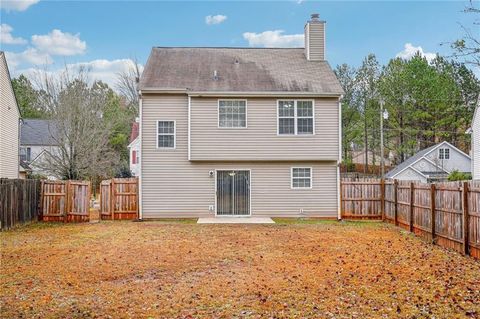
{"points": [[185, 270]]}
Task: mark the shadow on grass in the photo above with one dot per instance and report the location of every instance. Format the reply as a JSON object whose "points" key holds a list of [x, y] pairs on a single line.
{"points": [[319, 221]]}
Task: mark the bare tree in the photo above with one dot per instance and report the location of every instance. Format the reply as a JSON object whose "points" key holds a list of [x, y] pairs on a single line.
{"points": [[468, 47], [78, 126], [127, 84]]}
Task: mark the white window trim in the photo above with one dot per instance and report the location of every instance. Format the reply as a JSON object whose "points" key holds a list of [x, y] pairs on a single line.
{"points": [[444, 149], [174, 135], [296, 117], [291, 177], [232, 128]]}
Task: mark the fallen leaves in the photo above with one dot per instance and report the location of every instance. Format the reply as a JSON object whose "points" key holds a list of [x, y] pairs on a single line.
{"points": [[173, 270]]}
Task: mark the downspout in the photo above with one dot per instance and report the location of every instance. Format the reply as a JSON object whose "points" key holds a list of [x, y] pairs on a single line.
{"points": [[339, 161], [140, 210], [189, 124]]}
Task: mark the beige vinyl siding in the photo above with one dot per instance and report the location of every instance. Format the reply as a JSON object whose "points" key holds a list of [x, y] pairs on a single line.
{"points": [[260, 140], [316, 41], [9, 125], [172, 186]]}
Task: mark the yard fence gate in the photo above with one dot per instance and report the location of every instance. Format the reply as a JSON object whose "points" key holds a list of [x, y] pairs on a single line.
{"points": [[119, 198], [65, 201], [447, 214]]}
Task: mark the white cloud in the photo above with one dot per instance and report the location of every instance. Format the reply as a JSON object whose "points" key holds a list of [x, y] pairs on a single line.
{"points": [[216, 19], [59, 43], [104, 70], [29, 56], [409, 51], [274, 39], [6, 36], [17, 5]]}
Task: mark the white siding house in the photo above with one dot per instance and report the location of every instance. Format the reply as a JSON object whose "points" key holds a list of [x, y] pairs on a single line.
{"points": [[476, 144], [9, 124], [434, 163], [37, 141]]}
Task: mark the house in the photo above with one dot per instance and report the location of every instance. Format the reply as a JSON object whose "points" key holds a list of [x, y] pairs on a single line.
{"points": [[475, 131], [9, 124], [432, 164], [240, 131], [134, 149], [37, 141]]}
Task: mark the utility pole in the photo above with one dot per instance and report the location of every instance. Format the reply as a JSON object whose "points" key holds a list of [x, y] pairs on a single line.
{"points": [[382, 159]]}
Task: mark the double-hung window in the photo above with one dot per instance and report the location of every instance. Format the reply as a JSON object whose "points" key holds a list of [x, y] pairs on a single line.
{"points": [[444, 153], [295, 117], [232, 113], [166, 134], [25, 154], [301, 177]]}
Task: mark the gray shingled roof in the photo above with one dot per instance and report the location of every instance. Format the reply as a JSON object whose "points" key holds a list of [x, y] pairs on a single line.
{"points": [[409, 161], [238, 70], [37, 132]]}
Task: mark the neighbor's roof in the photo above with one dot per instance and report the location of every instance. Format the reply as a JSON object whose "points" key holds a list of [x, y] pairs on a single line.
{"points": [[238, 70], [409, 161], [134, 132], [38, 132]]}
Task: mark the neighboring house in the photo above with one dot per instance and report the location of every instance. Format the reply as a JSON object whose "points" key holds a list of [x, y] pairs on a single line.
{"points": [[432, 164], [9, 124], [475, 131], [37, 141], [134, 150], [240, 131]]}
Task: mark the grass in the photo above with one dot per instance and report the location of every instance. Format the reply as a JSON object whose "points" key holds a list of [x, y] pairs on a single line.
{"points": [[304, 268]]}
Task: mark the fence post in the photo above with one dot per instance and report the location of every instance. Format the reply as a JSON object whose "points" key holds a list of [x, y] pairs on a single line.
{"points": [[395, 196], [412, 194], [382, 198], [40, 205], [67, 201], [465, 218], [432, 210], [112, 198]]}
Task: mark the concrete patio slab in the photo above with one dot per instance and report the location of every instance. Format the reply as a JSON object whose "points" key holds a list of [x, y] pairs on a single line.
{"points": [[235, 220]]}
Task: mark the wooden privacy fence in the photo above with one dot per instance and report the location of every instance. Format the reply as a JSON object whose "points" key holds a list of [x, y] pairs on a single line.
{"points": [[119, 198], [19, 199], [447, 214], [65, 201]]}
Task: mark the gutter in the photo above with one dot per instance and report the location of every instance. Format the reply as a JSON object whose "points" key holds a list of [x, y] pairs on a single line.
{"points": [[237, 93]]}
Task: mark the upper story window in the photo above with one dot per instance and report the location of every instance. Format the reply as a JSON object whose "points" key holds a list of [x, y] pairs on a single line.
{"points": [[135, 157], [166, 134], [444, 153], [301, 177], [232, 113], [25, 154], [295, 117]]}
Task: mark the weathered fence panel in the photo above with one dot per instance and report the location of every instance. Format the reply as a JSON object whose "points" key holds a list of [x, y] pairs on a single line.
{"points": [[361, 199], [19, 199], [65, 201], [447, 214], [119, 198], [473, 229]]}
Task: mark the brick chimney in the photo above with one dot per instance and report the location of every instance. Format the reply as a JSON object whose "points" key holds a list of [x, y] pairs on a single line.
{"points": [[315, 38]]}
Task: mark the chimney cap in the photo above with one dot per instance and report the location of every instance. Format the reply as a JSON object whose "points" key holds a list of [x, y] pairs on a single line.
{"points": [[315, 16]]}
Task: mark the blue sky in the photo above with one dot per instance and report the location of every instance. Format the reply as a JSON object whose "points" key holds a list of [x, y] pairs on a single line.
{"points": [[103, 34]]}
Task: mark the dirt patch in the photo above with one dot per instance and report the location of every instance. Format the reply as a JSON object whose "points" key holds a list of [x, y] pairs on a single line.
{"points": [[181, 270]]}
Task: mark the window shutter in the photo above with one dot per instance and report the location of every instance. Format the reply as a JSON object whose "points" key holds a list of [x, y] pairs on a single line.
{"points": [[134, 157]]}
